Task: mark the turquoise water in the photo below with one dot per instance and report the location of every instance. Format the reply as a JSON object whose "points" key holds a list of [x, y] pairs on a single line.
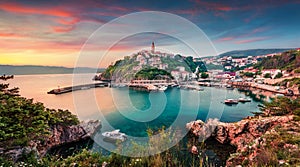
{"points": [[134, 111], [190, 104]]}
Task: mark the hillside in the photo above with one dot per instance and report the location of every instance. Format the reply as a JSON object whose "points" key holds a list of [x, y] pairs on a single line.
{"points": [[31, 69], [252, 52], [288, 60], [125, 69]]}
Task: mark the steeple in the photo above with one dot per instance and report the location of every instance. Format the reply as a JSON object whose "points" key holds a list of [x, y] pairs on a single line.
{"points": [[152, 48]]}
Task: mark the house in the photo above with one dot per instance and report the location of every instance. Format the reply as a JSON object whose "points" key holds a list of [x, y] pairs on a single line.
{"points": [[273, 72], [250, 70], [163, 66], [141, 59], [181, 68]]}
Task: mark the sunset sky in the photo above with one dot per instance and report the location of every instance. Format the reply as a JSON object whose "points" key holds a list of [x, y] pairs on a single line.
{"points": [[52, 32]]}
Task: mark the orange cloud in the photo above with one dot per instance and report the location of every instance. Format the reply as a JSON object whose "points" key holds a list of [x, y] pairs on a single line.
{"points": [[10, 35], [17, 8], [62, 29]]}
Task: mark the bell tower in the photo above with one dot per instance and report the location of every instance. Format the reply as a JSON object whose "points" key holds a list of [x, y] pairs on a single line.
{"points": [[152, 48]]}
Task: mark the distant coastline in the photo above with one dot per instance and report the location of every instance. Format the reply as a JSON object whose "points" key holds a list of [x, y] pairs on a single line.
{"points": [[36, 69]]}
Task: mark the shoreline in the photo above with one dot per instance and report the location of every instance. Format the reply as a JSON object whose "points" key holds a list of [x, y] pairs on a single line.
{"points": [[247, 135]]}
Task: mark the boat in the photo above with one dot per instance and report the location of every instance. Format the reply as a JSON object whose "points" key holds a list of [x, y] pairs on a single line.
{"points": [[151, 87], [243, 100], [162, 88], [192, 87], [115, 135], [231, 101]]}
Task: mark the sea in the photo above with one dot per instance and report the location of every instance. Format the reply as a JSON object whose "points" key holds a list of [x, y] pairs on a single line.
{"points": [[131, 111]]}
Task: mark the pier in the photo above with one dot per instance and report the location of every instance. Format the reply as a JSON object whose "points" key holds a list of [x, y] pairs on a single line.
{"points": [[77, 87], [264, 87]]}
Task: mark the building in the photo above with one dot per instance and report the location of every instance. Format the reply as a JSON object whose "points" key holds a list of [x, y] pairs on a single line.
{"points": [[272, 72], [152, 48]]}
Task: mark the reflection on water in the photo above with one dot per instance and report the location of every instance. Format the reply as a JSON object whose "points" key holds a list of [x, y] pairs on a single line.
{"points": [[208, 102], [132, 111]]}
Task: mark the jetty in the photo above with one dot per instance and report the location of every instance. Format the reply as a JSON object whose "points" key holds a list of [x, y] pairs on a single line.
{"points": [[264, 87], [77, 87]]}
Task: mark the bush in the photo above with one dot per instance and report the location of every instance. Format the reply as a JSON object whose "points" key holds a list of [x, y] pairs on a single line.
{"points": [[279, 75], [267, 75]]}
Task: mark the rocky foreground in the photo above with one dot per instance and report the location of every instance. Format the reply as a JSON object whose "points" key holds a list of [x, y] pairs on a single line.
{"points": [[258, 139], [59, 135]]}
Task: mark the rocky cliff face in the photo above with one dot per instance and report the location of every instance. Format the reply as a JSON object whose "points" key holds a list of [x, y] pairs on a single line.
{"points": [[242, 134], [59, 135]]}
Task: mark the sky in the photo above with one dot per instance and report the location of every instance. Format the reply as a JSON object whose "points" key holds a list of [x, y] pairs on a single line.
{"points": [[54, 32]]}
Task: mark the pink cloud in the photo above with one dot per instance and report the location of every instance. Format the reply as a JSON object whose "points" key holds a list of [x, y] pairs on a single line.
{"points": [[225, 39], [17, 8], [251, 40], [61, 29], [10, 35]]}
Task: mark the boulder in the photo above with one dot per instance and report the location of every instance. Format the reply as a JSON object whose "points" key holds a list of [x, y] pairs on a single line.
{"points": [[59, 135]]}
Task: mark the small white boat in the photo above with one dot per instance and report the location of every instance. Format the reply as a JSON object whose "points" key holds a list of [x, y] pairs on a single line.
{"points": [[243, 100], [115, 135], [151, 87], [231, 101], [162, 88]]}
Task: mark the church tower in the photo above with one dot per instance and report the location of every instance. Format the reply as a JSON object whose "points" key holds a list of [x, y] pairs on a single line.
{"points": [[152, 48]]}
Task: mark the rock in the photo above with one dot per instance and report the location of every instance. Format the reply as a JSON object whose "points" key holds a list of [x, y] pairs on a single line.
{"points": [[59, 135], [245, 135], [63, 135]]}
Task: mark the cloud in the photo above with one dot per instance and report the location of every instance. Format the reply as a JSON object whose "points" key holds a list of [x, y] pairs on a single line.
{"points": [[251, 40], [18, 8], [62, 29], [225, 39], [234, 36], [10, 35]]}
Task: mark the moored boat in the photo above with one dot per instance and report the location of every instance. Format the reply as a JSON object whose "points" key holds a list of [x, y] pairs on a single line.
{"points": [[115, 135], [231, 101], [162, 88], [243, 100]]}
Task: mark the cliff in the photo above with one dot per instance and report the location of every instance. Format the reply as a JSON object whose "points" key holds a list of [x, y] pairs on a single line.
{"points": [[256, 139], [59, 135]]}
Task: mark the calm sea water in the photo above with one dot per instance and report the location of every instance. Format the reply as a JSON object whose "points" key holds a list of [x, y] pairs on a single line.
{"points": [[133, 111]]}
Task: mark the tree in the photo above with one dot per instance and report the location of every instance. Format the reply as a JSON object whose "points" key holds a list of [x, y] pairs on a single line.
{"points": [[281, 106], [278, 75], [267, 75], [248, 74], [204, 75]]}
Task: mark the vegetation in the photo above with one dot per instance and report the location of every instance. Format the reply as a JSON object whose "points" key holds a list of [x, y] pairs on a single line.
{"points": [[289, 60], [282, 106], [279, 146], [279, 75], [251, 52], [126, 68], [248, 74], [152, 73], [204, 75], [267, 75], [290, 82], [193, 65], [22, 120]]}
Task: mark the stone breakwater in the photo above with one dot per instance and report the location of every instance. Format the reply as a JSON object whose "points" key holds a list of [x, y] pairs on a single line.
{"points": [[242, 134], [59, 135]]}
